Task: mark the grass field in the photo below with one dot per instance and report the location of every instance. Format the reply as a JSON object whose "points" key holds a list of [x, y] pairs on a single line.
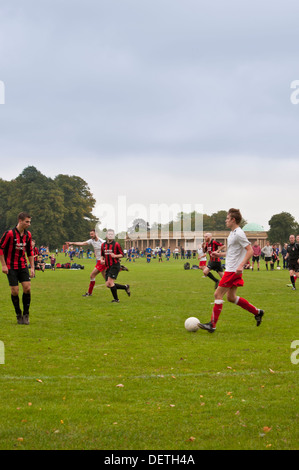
{"points": [[88, 374]]}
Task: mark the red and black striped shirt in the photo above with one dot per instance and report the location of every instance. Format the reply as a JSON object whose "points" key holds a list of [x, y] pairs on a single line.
{"points": [[14, 247], [107, 249], [212, 246]]}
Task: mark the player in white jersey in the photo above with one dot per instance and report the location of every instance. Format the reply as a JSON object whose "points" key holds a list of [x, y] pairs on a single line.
{"points": [[96, 243], [239, 251]]}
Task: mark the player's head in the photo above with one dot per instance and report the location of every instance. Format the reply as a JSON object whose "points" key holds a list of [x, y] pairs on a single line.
{"points": [[207, 236], [234, 217], [297, 238], [24, 219], [292, 238], [110, 234], [93, 234]]}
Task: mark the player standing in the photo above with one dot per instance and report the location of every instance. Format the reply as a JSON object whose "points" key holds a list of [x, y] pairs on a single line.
{"points": [[210, 246], [148, 252], [111, 253], [239, 251], [256, 255], [96, 243], [293, 258], [15, 244]]}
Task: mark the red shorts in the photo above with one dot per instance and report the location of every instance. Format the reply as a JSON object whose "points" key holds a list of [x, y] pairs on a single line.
{"points": [[229, 280], [202, 263], [100, 267]]}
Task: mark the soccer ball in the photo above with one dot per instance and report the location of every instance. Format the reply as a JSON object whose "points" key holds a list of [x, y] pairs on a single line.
{"points": [[191, 324]]}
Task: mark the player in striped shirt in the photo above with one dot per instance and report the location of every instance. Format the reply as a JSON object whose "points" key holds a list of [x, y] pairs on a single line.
{"points": [[111, 253], [210, 246], [15, 244]]}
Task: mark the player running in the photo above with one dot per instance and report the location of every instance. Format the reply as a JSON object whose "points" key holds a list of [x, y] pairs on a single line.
{"points": [[239, 251], [210, 246], [15, 244], [111, 253], [96, 243]]}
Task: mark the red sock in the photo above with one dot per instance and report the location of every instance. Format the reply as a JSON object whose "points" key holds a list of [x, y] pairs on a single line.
{"points": [[216, 312], [91, 286], [246, 305]]}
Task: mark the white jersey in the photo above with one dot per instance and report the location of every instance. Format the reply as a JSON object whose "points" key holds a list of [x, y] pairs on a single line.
{"points": [[201, 255], [96, 244], [236, 249]]}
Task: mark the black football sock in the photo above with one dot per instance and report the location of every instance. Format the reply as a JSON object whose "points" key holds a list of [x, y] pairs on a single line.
{"points": [[210, 275], [26, 303], [16, 304], [120, 286], [114, 292], [292, 280]]}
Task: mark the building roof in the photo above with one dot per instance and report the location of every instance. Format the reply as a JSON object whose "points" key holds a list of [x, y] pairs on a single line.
{"points": [[252, 227]]}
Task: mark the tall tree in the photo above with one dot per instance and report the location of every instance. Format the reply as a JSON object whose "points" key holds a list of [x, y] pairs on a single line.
{"points": [[78, 205], [33, 192], [281, 227]]}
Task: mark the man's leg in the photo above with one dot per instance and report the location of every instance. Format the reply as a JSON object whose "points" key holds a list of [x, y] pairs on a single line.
{"points": [[92, 282], [26, 301], [243, 303], [14, 290], [218, 304]]}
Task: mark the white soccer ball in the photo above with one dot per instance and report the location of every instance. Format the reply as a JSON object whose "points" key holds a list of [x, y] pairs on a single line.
{"points": [[191, 324]]}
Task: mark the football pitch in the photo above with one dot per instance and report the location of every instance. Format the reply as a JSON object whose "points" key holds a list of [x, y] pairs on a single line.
{"points": [[89, 374]]}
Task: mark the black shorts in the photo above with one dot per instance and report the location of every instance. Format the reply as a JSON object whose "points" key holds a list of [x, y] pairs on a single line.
{"points": [[255, 258], [268, 258], [112, 271], [15, 276], [293, 265], [215, 266]]}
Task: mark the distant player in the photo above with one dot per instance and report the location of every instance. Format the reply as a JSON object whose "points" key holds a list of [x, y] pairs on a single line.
{"points": [[210, 246], [201, 257], [96, 243], [111, 253], [167, 254], [293, 259], [256, 255], [148, 252], [238, 253], [15, 244]]}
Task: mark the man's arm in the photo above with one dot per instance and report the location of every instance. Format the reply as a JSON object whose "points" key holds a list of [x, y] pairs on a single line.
{"points": [[77, 243], [3, 263], [248, 255]]}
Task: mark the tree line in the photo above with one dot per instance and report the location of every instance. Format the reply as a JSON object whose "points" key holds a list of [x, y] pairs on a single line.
{"points": [[61, 208]]}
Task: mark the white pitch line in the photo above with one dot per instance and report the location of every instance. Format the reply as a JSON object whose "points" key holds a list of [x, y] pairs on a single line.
{"points": [[147, 377]]}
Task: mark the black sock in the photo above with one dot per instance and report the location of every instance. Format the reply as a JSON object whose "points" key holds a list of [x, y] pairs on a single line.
{"points": [[26, 303], [16, 304], [114, 292], [120, 286], [292, 280], [210, 275]]}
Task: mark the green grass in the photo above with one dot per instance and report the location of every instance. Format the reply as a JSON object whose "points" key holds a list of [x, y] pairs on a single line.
{"points": [[235, 389]]}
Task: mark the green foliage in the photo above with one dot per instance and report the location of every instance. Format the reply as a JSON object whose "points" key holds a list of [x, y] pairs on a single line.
{"points": [[281, 227], [60, 208]]}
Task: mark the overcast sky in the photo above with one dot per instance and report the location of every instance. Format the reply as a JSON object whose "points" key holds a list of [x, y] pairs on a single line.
{"points": [[160, 101]]}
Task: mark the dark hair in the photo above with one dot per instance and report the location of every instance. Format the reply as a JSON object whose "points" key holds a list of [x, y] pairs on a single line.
{"points": [[235, 214], [23, 216]]}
